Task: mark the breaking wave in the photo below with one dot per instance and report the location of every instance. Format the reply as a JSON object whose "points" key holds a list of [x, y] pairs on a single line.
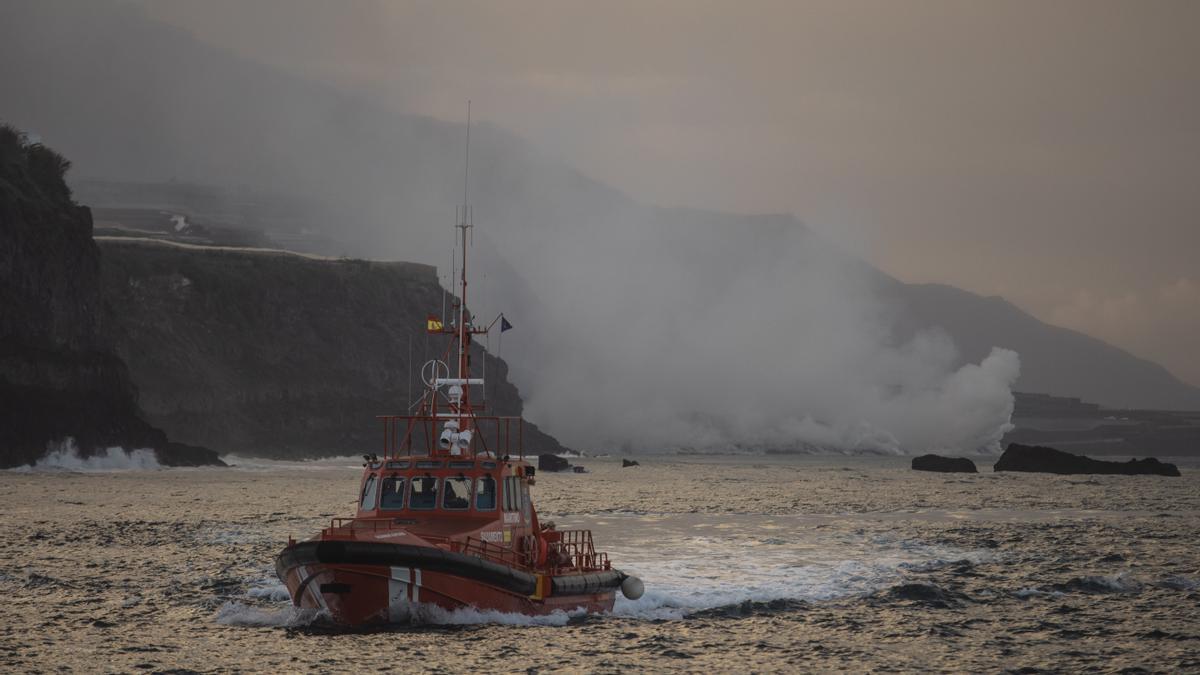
{"points": [[423, 613], [275, 592], [66, 457], [234, 613], [1112, 583], [680, 587], [320, 464]]}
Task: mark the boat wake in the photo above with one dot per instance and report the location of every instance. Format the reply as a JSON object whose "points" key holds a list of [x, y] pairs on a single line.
{"points": [[713, 575], [725, 576], [234, 613]]}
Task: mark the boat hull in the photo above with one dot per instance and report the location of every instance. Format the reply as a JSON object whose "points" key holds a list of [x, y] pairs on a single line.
{"points": [[360, 583]]}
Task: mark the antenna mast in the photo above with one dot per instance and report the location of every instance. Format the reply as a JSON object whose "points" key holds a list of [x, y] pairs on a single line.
{"points": [[464, 333]]}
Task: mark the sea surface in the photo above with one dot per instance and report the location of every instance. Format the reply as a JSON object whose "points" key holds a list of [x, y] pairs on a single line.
{"points": [[751, 564]]}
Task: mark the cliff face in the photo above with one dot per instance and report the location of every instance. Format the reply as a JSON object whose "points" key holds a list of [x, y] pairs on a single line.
{"points": [[57, 377], [278, 354]]}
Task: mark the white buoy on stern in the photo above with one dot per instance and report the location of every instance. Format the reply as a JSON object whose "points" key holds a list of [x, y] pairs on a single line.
{"points": [[632, 588]]}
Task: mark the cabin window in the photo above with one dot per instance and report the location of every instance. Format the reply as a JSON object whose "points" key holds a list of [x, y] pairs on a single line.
{"points": [[485, 493], [462, 465], [422, 495], [457, 493], [368, 494], [391, 496]]}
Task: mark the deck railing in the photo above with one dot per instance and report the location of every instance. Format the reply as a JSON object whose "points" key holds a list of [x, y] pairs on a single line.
{"points": [[417, 434], [567, 550]]}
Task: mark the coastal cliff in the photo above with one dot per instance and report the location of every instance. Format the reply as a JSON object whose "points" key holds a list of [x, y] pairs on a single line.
{"points": [[58, 377], [278, 354]]}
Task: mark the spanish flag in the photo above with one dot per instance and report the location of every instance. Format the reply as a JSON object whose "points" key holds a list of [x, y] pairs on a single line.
{"points": [[433, 324]]}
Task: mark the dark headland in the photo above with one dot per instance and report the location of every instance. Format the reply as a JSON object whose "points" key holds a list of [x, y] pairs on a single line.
{"points": [[1038, 459], [183, 345], [943, 464], [59, 377]]}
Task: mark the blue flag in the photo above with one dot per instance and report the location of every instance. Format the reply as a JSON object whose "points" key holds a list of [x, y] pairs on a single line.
{"points": [[504, 324]]}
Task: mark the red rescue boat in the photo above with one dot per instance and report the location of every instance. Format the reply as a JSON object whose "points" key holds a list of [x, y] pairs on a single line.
{"points": [[445, 517]]}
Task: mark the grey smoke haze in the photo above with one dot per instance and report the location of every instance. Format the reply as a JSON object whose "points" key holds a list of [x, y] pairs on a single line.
{"points": [[1048, 152], [637, 324]]}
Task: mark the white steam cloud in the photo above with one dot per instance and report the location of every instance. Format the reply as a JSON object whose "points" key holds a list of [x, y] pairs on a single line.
{"points": [[636, 326], [672, 333]]}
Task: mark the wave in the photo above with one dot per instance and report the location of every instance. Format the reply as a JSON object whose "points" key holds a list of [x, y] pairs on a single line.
{"points": [[725, 575], [234, 613], [66, 457], [275, 592], [1112, 583], [1179, 583], [317, 464], [423, 613]]}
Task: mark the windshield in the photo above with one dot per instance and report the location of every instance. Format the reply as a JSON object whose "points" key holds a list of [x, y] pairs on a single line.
{"points": [[391, 495], [458, 493], [368, 495], [423, 493]]}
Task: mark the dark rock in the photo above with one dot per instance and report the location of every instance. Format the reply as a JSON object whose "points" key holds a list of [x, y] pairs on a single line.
{"points": [[1040, 459], [629, 462], [579, 469], [548, 462], [929, 595], [59, 377], [943, 464], [298, 355], [182, 454]]}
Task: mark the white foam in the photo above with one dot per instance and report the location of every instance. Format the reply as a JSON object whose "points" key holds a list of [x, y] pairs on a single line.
{"points": [[714, 574], [321, 464], [65, 457], [424, 613], [1026, 593], [275, 592], [234, 613], [1115, 583]]}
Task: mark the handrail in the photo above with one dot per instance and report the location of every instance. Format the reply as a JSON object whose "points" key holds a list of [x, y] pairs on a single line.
{"points": [[395, 443], [568, 551]]}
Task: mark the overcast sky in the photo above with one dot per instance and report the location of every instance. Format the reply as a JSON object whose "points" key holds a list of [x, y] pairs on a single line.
{"points": [[1048, 152]]}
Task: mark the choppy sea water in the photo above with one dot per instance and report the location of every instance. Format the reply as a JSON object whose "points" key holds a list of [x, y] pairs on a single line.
{"points": [[750, 563]]}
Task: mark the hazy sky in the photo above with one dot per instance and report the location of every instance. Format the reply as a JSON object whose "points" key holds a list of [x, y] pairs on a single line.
{"points": [[1048, 152]]}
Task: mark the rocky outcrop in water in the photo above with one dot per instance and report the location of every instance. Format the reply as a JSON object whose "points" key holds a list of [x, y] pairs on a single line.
{"points": [[58, 378], [924, 594], [277, 354], [1040, 459], [548, 462], [943, 464]]}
